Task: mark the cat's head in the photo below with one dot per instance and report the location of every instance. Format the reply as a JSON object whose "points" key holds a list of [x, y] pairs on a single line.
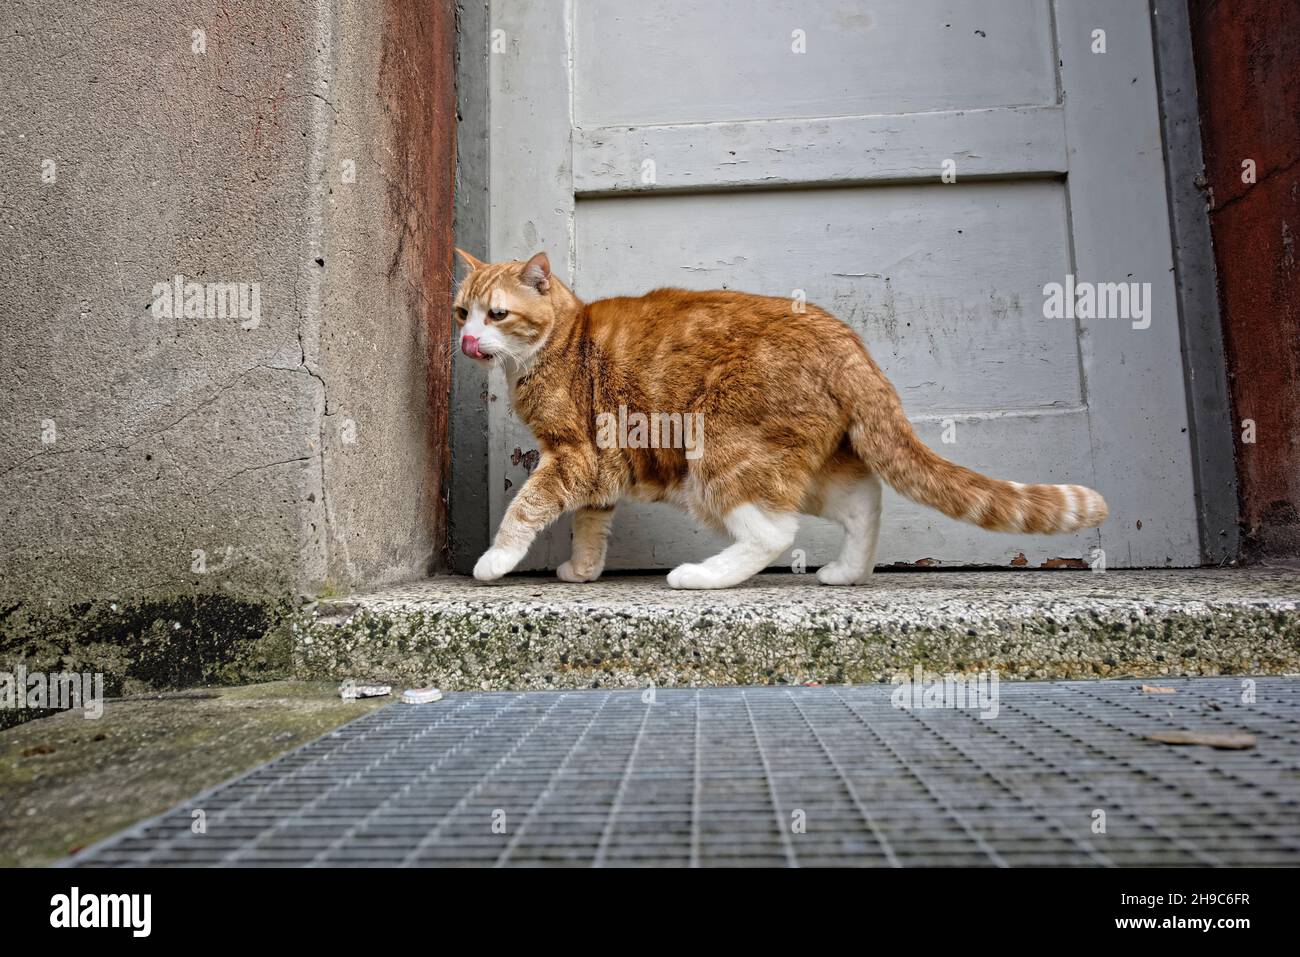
{"points": [[505, 311]]}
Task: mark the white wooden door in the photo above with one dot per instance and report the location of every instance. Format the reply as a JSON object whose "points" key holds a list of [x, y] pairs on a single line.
{"points": [[802, 145]]}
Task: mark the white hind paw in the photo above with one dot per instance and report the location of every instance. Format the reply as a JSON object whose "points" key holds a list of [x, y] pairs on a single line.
{"points": [[837, 573]]}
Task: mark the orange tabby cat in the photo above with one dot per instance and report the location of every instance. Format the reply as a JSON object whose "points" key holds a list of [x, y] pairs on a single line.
{"points": [[795, 418]]}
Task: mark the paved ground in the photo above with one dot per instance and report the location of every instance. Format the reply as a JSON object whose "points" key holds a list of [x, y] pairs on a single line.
{"points": [[66, 782], [1024, 774], [531, 632]]}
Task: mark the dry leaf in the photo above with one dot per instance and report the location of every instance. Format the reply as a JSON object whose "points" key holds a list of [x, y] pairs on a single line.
{"points": [[1156, 689], [1224, 740]]}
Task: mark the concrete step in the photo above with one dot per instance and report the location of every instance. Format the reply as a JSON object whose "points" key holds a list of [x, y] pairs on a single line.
{"points": [[627, 631]]}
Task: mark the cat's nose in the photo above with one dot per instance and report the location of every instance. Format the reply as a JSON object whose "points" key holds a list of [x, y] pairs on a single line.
{"points": [[469, 346]]}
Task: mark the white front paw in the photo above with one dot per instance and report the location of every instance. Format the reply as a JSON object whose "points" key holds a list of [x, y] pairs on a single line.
{"points": [[495, 563], [567, 573], [691, 576]]}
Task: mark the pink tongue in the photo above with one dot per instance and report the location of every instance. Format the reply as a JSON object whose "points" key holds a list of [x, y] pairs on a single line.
{"points": [[469, 346]]}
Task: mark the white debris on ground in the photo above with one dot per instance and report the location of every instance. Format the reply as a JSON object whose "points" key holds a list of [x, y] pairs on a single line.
{"points": [[421, 695], [351, 690]]}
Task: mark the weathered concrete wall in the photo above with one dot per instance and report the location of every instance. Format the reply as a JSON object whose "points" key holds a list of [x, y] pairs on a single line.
{"points": [[1248, 71], [385, 340], [296, 449]]}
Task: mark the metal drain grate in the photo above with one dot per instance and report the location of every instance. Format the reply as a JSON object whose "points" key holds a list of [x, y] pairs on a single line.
{"points": [[764, 776]]}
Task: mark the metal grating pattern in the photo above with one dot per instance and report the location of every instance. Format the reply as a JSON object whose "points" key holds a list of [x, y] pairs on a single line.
{"points": [[727, 776]]}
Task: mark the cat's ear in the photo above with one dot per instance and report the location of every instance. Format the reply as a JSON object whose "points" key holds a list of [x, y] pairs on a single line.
{"points": [[469, 260], [537, 273]]}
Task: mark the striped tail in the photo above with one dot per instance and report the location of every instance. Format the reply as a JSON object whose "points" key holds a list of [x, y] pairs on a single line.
{"points": [[913, 469]]}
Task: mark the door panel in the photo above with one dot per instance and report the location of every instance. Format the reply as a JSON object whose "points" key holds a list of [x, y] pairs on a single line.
{"points": [[687, 144], [940, 284], [679, 62]]}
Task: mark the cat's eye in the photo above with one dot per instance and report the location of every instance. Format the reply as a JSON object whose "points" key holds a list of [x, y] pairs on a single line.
{"points": [[497, 314], [462, 313]]}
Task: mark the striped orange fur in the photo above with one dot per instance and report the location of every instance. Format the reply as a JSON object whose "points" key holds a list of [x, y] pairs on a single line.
{"points": [[797, 418]]}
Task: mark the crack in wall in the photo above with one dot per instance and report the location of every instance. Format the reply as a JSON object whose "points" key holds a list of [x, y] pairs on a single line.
{"points": [[321, 73]]}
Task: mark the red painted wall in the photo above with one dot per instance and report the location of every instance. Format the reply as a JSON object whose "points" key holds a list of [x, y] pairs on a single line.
{"points": [[1248, 76], [418, 79]]}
